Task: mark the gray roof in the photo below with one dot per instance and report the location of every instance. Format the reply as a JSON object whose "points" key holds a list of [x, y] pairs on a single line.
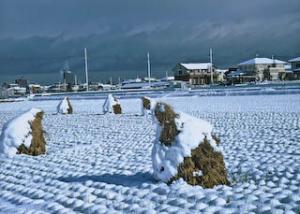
{"points": [[295, 59], [255, 61]]}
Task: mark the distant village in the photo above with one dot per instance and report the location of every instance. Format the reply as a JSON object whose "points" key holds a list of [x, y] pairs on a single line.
{"points": [[184, 75]]}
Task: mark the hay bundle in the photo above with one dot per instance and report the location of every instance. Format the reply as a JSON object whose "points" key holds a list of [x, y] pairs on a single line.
{"points": [[24, 135], [185, 148], [148, 105], [112, 105], [65, 107]]}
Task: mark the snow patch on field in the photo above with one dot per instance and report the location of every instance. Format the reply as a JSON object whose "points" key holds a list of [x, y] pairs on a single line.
{"points": [[102, 163]]}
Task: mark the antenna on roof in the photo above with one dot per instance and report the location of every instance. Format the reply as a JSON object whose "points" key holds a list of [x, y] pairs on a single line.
{"points": [[273, 60]]}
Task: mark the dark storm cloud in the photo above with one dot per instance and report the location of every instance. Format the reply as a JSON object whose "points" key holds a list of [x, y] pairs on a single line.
{"points": [[38, 36]]}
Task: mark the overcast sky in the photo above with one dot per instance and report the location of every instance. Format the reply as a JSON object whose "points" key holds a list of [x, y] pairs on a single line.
{"points": [[38, 36]]}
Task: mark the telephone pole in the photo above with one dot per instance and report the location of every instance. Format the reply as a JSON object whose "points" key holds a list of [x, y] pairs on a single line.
{"points": [[86, 70], [149, 68], [211, 66]]}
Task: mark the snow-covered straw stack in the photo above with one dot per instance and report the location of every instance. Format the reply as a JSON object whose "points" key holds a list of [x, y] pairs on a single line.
{"points": [[184, 148], [24, 134], [65, 107], [112, 105], [148, 105]]}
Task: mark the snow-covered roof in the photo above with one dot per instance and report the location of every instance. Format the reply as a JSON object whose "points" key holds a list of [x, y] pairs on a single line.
{"points": [[262, 61], [34, 85], [295, 59], [196, 66]]}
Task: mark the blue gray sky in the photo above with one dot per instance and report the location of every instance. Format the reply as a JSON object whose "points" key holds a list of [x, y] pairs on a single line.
{"points": [[38, 37]]}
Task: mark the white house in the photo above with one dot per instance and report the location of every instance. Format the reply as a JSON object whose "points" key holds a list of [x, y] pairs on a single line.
{"points": [[260, 69]]}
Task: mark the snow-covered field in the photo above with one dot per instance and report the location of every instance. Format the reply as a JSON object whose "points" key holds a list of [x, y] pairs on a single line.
{"points": [[99, 163]]}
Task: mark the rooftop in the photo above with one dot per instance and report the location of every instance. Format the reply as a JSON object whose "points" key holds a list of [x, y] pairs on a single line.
{"points": [[196, 66], [255, 61], [295, 59]]}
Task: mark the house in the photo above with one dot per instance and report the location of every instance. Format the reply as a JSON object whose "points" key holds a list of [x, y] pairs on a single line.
{"points": [[260, 69], [195, 73], [221, 75], [13, 89], [22, 82], [295, 68], [35, 88], [132, 81], [238, 77], [152, 79], [6, 92]]}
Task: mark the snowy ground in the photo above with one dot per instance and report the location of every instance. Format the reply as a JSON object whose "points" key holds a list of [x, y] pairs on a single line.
{"points": [[102, 163]]}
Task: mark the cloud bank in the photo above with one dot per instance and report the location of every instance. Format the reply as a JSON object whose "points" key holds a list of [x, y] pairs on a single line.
{"points": [[37, 37]]}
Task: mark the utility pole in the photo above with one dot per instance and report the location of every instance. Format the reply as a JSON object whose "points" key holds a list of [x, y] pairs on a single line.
{"points": [[86, 70], [149, 69], [211, 66], [75, 79]]}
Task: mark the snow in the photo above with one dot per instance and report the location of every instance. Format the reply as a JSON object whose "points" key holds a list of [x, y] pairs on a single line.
{"points": [[63, 106], [109, 103], [297, 59], [102, 163], [196, 66], [166, 159], [198, 173], [16, 132], [262, 61], [144, 85]]}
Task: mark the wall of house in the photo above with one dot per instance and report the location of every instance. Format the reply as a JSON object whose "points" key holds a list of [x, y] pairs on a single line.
{"points": [[179, 70], [295, 65], [258, 70]]}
